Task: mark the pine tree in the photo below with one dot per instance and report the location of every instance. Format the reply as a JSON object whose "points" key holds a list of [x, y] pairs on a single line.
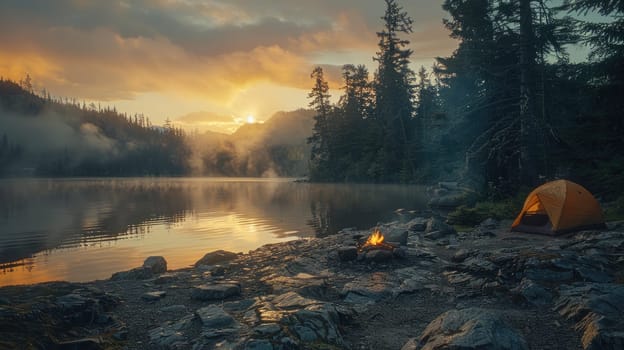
{"points": [[356, 137], [529, 140], [496, 77], [320, 153], [394, 92]]}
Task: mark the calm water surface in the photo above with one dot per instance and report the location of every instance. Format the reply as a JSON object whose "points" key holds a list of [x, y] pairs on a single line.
{"points": [[86, 229]]}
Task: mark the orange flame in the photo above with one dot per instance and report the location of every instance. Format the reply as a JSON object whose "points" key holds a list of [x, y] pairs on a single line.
{"points": [[376, 238]]}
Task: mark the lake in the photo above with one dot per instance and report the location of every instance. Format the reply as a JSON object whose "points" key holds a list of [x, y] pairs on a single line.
{"points": [[86, 229]]}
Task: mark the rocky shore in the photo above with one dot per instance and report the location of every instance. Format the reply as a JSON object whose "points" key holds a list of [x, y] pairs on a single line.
{"points": [[485, 288]]}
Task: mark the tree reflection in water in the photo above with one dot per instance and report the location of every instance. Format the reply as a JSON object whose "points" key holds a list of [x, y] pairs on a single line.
{"points": [[102, 224]]}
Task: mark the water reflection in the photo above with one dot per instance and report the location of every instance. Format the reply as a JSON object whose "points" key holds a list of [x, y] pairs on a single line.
{"points": [[83, 229]]}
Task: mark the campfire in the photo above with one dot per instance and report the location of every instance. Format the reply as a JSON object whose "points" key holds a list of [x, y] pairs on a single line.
{"points": [[374, 248], [375, 241]]}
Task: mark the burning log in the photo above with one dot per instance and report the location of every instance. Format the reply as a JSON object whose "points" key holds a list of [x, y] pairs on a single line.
{"points": [[376, 241], [375, 248]]}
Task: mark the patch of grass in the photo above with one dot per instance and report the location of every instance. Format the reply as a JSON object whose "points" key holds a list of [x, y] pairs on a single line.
{"points": [[500, 209], [466, 216], [462, 228], [614, 211]]}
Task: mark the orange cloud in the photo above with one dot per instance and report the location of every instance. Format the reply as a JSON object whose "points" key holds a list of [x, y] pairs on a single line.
{"points": [[213, 51]]}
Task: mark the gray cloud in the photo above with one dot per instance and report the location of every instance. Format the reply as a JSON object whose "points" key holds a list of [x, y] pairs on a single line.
{"points": [[186, 25], [115, 49]]}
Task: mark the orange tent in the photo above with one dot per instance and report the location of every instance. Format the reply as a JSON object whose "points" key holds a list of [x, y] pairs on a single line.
{"points": [[557, 207]]}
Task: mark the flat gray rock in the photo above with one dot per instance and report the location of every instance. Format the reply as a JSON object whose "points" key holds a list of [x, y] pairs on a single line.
{"points": [[440, 227], [460, 255], [398, 236], [216, 257], [292, 300], [533, 293], [153, 296], [138, 273], [347, 253], [548, 275], [73, 301], [375, 287], [300, 282], [268, 329], [215, 291], [379, 255], [259, 344], [316, 323], [468, 329], [173, 308], [167, 278], [213, 316], [417, 225], [169, 334], [597, 308]]}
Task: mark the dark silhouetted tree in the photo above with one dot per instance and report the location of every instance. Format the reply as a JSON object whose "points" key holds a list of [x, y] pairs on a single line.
{"points": [[320, 139], [394, 95]]}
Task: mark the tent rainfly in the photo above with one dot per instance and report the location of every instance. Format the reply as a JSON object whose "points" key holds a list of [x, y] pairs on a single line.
{"points": [[558, 207]]}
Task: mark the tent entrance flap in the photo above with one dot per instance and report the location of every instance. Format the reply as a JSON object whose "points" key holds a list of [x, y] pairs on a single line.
{"points": [[535, 219], [536, 208]]}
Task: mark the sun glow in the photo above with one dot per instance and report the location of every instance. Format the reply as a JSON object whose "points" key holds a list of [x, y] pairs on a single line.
{"points": [[251, 119]]}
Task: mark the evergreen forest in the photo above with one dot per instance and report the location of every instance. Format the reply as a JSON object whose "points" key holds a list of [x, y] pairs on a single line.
{"points": [[508, 109], [511, 107]]}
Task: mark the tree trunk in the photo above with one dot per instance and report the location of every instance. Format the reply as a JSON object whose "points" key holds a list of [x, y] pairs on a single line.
{"points": [[528, 119]]}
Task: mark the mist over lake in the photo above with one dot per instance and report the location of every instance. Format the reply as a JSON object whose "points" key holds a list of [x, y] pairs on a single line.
{"points": [[86, 229]]}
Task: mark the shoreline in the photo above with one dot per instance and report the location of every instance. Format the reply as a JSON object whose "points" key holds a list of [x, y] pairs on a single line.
{"points": [[538, 291]]}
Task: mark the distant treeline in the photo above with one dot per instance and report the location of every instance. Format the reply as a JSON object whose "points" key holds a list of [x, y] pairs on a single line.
{"points": [[43, 136], [506, 109], [275, 148], [47, 137]]}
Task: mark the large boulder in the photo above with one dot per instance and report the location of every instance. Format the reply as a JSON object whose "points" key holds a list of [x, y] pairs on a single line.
{"points": [[437, 224], [468, 329], [436, 229], [397, 236], [216, 257], [448, 195], [157, 264], [317, 323], [597, 309], [448, 200], [151, 266]]}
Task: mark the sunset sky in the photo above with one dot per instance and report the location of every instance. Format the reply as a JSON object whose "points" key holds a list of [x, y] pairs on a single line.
{"points": [[206, 64]]}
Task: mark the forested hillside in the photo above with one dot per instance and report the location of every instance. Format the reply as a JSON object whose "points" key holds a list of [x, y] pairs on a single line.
{"points": [[513, 106], [47, 137], [507, 109]]}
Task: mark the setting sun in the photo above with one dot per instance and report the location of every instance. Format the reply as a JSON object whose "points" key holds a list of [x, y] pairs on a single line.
{"points": [[251, 119]]}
